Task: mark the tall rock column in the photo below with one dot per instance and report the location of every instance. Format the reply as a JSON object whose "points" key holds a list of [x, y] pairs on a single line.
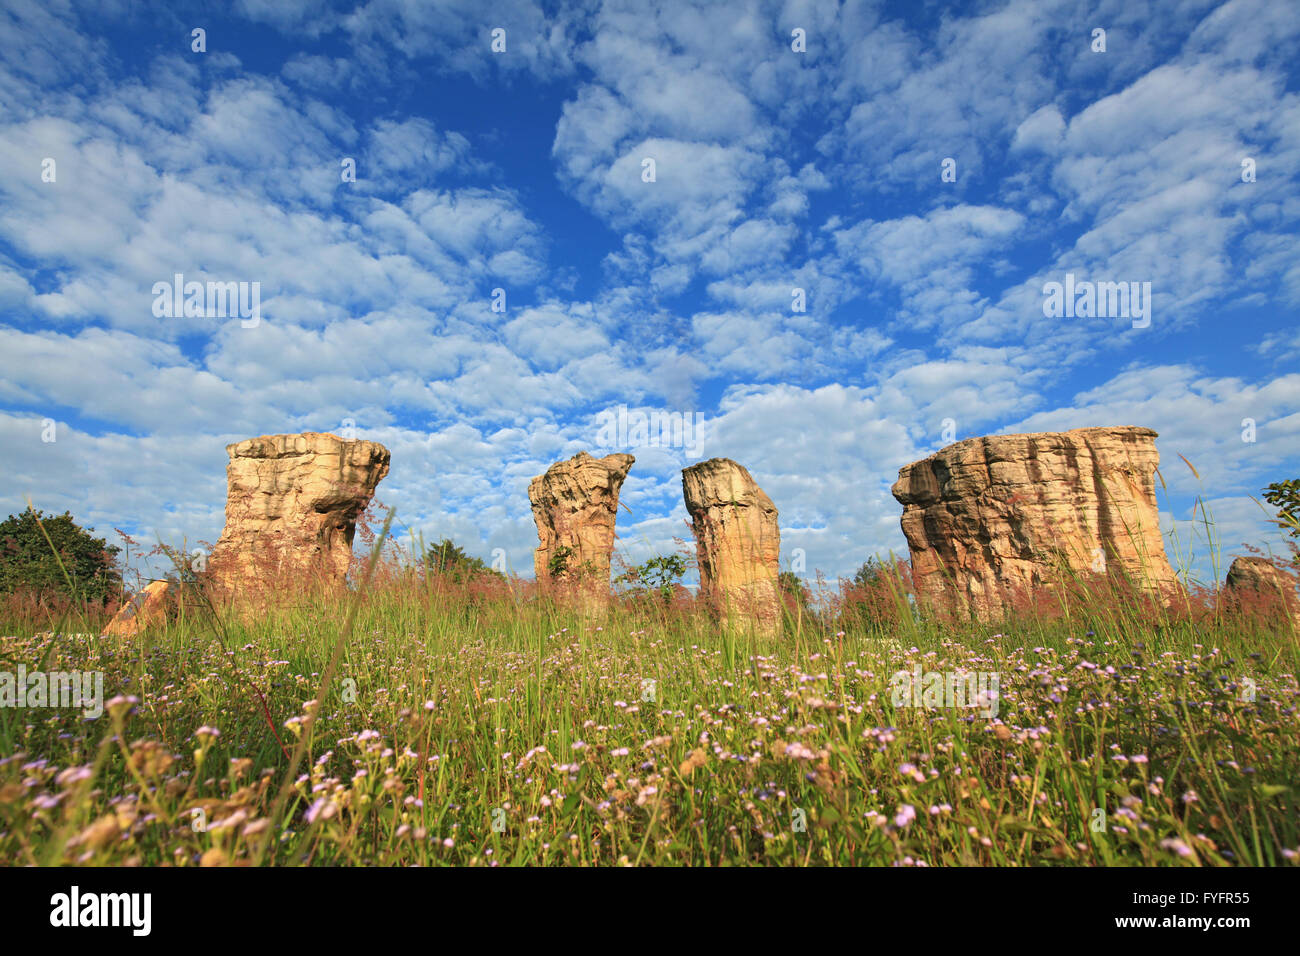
{"points": [[292, 504], [988, 517], [574, 504], [737, 542]]}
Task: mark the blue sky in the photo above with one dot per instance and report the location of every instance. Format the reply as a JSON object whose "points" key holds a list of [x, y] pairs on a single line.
{"points": [[522, 170]]}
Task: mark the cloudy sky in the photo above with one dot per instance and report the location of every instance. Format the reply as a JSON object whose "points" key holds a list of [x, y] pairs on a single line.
{"points": [[918, 170]]}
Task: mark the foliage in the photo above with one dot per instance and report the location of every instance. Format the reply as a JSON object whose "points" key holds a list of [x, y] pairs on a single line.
{"points": [[796, 594], [1285, 496], [873, 598], [449, 561], [63, 559], [558, 564], [871, 572], [1119, 739], [659, 575]]}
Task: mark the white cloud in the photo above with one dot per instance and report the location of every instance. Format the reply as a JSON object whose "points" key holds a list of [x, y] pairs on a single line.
{"points": [[932, 258], [552, 335], [1042, 130], [774, 171]]}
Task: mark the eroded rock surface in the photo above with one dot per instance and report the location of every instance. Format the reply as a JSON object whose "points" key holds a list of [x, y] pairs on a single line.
{"points": [[292, 504], [575, 504], [737, 540], [147, 608], [992, 517], [1257, 584]]}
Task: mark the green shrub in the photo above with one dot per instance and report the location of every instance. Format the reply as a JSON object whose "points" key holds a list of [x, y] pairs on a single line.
{"points": [[51, 555], [1285, 496], [449, 560], [659, 575]]}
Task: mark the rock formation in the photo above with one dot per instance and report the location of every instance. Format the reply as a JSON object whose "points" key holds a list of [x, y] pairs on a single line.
{"points": [[574, 504], [737, 542], [146, 608], [1259, 585], [292, 504], [987, 518]]}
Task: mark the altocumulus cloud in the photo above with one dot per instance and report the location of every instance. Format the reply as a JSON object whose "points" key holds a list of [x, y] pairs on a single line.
{"points": [[834, 256]]}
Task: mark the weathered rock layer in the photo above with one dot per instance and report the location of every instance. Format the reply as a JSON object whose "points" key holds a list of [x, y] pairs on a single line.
{"points": [[737, 540], [575, 504], [147, 608], [292, 504], [992, 517], [1258, 585]]}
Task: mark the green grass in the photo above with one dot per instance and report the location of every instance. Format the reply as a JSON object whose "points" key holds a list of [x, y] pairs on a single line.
{"points": [[432, 723]]}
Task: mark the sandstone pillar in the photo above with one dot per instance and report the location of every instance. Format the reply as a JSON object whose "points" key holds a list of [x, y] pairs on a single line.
{"points": [[1256, 584], [147, 608], [574, 504], [737, 542], [990, 517], [292, 504]]}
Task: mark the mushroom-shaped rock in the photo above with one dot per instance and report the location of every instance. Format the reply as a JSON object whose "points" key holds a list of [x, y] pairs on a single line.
{"points": [[292, 504]]}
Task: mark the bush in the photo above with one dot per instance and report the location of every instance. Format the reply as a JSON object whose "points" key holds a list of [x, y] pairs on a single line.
{"points": [[450, 562], [875, 597], [77, 565], [659, 576]]}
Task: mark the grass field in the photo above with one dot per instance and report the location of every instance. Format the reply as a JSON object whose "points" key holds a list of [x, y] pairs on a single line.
{"points": [[492, 727]]}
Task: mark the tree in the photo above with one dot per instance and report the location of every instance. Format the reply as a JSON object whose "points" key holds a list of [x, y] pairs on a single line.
{"points": [[1285, 496], [449, 560], [869, 599], [78, 564], [870, 572], [659, 574]]}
